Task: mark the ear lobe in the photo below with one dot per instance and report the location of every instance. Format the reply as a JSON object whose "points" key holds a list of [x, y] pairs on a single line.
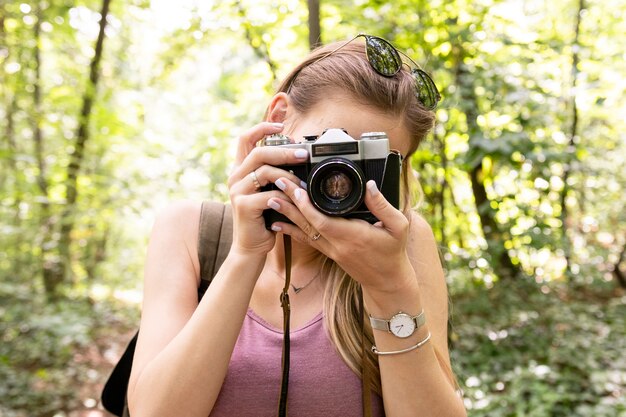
{"points": [[278, 107]]}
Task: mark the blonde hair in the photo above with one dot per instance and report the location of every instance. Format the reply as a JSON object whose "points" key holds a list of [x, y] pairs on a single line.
{"points": [[347, 69]]}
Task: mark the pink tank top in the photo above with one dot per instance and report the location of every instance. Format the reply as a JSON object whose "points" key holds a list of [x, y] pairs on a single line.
{"points": [[320, 383]]}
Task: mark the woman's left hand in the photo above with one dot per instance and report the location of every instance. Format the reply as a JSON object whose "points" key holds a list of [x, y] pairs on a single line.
{"points": [[375, 255]]}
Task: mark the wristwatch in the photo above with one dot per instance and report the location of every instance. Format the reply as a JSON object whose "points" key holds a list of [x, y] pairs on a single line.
{"points": [[400, 325]]}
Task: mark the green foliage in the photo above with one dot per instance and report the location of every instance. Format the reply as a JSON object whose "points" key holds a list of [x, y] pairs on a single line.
{"points": [[530, 351], [179, 81], [50, 352]]}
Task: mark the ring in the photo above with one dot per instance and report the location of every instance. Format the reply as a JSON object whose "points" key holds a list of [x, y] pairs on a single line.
{"points": [[316, 236], [255, 181]]}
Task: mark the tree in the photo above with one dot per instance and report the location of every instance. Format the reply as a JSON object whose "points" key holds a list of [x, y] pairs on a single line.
{"points": [[59, 272], [574, 139], [315, 33]]}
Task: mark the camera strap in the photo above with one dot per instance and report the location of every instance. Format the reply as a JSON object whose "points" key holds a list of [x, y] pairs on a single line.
{"points": [[284, 301], [366, 374]]}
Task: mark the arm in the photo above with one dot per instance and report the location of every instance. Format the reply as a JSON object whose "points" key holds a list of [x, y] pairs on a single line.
{"points": [[184, 348], [420, 380], [397, 264], [183, 352]]}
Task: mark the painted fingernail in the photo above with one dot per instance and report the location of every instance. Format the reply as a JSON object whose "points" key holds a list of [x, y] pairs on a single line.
{"points": [[278, 125], [298, 194], [273, 204], [276, 228], [371, 185], [301, 153], [303, 185], [280, 184]]}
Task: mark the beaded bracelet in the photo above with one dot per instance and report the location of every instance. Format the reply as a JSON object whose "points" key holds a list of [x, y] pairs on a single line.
{"points": [[396, 352]]}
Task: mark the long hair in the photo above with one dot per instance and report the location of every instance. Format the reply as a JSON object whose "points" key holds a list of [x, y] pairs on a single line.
{"points": [[348, 70]]}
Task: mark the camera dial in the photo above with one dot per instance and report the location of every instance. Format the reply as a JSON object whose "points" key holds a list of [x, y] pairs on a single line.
{"points": [[276, 139], [373, 135]]}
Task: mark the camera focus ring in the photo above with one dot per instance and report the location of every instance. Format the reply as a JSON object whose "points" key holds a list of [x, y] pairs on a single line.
{"points": [[336, 186]]}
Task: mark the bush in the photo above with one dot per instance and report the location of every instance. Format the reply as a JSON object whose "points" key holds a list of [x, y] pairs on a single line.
{"points": [[520, 352], [49, 352]]}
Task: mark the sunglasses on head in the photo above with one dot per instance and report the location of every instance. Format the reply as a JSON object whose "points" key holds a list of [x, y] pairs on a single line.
{"points": [[385, 60]]}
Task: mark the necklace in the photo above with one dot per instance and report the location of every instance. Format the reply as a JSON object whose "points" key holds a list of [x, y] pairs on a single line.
{"points": [[297, 290]]}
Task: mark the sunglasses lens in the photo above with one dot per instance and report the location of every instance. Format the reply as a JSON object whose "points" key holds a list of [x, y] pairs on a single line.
{"points": [[382, 56], [426, 89]]}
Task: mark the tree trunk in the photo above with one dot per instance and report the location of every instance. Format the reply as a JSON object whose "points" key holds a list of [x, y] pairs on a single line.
{"points": [[494, 236], [440, 140], [37, 111], [77, 156], [315, 30], [49, 267], [96, 253], [619, 275], [9, 133], [9, 98], [570, 152]]}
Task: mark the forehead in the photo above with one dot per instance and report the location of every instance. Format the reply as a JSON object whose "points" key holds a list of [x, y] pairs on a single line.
{"points": [[355, 118]]}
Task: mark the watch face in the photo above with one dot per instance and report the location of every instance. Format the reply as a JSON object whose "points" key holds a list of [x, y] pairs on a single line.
{"points": [[402, 325]]}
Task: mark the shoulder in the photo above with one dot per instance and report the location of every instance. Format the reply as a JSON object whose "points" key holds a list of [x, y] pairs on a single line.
{"points": [[425, 257], [418, 225], [422, 243], [175, 229], [179, 214]]}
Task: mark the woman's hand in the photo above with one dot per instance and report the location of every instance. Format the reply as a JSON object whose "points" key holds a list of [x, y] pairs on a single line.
{"points": [[255, 168], [375, 255]]}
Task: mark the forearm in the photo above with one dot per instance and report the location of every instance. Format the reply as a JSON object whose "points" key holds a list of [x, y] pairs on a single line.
{"points": [[186, 376], [413, 383]]}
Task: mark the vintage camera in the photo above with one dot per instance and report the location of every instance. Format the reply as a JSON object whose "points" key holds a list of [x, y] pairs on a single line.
{"points": [[338, 169]]}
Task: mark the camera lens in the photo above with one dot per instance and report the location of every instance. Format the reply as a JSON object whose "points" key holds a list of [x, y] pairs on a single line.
{"points": [[336, 186]]}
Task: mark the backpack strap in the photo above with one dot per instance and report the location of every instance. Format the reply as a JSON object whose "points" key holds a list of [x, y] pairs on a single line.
{"points": [[215, 236]]}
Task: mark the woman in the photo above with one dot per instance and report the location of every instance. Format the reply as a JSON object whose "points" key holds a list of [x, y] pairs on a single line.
{"points": [[222, 356]]}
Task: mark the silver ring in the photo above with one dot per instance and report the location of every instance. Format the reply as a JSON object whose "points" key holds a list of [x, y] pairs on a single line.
{"points": [[315, 236], [255, 181]]}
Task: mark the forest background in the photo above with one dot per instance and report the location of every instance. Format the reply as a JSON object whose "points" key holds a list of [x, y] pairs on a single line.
{"points": [[110, 109]]}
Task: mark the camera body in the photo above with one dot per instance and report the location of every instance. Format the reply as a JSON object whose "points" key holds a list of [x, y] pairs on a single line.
{"points": [[338, 168]]}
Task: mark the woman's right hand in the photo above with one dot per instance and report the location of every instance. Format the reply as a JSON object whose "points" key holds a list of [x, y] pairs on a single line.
{"points": [[250, 235]]}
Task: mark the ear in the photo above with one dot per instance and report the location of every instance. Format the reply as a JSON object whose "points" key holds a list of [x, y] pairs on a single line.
{"points": [[278, 108]]}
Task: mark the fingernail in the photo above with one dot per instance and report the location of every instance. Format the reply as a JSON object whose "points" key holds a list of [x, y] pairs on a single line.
{"points": [[276, 228], [301, 153], [273, 204], [278, 125], [303, 185], [280, 184], [371, 185], [298, 193]]}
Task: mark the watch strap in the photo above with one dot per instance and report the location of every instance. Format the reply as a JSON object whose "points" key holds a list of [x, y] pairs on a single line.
{"points": [[383, 324], [419, 320], [379, 324]]}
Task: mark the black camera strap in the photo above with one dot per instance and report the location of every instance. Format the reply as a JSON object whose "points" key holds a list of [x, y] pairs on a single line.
{"points": [[366, 373], [284, 301]]}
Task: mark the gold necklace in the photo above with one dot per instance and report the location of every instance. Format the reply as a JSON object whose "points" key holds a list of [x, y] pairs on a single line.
{"points": [[296, 290]]}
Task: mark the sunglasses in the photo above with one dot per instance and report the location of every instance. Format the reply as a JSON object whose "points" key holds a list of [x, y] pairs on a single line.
{"points": [[385, 60]]}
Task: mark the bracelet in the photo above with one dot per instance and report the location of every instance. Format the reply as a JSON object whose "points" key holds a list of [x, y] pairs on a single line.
{"points": [[396, 352]]}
